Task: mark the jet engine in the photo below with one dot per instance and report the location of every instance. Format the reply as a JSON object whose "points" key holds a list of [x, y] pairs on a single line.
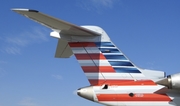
{"points": [[171, 81]]}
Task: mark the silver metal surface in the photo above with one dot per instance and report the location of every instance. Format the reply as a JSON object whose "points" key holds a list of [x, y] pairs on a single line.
{"points": [[175, 81], [172, 81], [86, 92]]}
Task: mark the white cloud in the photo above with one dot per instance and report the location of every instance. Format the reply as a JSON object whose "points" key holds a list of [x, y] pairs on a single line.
{"points": [[12, 50], [19, 41], [13, 43], [59, 77], [27, 102], [105, 3], [97, 5]]}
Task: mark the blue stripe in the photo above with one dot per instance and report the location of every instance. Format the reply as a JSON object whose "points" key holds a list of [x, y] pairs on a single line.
{"points": [[109, 50], [120, 63], [104, 44], [127, 70], [116, 57]]}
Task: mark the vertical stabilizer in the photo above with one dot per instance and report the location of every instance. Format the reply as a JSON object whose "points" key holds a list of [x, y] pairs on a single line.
{"points": [[101, 61]]}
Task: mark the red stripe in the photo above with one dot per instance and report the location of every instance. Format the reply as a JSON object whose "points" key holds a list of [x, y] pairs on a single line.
{"points": [[82, 44], [95, 56], [99, 82], [136, 97], [96, 69]]}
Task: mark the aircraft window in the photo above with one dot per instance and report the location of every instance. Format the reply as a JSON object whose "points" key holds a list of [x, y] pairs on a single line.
{"points": [[105, 86], [131, 94]]}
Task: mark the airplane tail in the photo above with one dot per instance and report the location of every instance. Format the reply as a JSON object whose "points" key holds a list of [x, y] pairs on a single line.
{"points": [[104, 63], [101, 61]]}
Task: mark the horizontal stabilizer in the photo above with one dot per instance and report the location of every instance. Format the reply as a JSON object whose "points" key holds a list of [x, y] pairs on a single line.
{"points": [[56, 24], [63, 50]]}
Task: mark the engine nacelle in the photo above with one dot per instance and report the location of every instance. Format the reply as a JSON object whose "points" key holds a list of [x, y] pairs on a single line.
{"points": [[172, 81]]}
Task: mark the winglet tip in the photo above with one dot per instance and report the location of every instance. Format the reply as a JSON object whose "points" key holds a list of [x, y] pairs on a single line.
{"points": [[22, 9]]}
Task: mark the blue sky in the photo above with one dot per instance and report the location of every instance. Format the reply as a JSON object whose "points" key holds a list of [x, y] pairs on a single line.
{"points": [[147, 31]]}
